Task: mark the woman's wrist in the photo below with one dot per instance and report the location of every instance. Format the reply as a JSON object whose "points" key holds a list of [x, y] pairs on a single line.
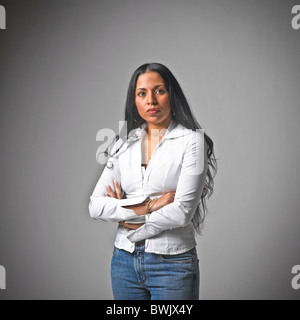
{"points": [[129, 226], [149, 206]]}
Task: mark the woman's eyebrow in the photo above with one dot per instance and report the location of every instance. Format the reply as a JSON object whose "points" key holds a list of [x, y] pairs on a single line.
{"points": [[159, 85]]}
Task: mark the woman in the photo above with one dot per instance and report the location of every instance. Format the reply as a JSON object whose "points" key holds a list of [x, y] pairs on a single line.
{"points": [[154, 186]]}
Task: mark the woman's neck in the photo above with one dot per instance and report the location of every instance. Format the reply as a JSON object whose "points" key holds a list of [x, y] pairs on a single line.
{"points": [[157, 130]]}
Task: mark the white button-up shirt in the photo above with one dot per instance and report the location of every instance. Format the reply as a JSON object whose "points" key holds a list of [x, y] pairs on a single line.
{"points": [[178, 163]]}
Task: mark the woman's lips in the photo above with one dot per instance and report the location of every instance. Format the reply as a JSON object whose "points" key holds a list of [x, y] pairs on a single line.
{"points": [[152, 111]]}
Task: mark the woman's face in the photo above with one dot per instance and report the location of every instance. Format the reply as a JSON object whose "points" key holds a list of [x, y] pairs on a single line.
{"points": [[152, 99]]}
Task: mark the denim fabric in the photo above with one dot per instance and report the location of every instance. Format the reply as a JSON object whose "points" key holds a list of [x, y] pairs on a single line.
{"points": [[146, 276]]}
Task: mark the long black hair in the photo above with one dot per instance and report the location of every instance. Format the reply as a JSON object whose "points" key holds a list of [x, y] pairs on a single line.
{"points": [[181, 113]]}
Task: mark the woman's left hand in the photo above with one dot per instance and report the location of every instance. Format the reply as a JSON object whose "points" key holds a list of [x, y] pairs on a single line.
{"points": [[118, 195]]}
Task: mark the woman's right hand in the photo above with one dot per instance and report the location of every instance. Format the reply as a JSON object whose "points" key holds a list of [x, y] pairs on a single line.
{"points": [[140, 209], [164, 200]]}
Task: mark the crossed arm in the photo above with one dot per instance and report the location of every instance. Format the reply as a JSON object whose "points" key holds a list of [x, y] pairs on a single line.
{"points": [[169, 211], [139, 209]]}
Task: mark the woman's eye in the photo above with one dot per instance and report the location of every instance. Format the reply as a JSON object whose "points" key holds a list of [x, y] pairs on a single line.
{"points": [[160, 91], [141, 94]]}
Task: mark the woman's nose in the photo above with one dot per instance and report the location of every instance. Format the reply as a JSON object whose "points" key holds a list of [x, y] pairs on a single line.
{"points": [[151, 99]]}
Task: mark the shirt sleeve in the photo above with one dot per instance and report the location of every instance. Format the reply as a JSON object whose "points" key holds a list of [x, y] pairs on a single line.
{"points": [[111, 209], [188, 194]]}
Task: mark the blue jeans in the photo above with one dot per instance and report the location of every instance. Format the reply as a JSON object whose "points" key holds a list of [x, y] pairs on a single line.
{"points": [[147, 276]]}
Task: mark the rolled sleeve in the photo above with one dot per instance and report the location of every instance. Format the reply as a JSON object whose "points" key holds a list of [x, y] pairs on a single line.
{"points": [[111, 209]]}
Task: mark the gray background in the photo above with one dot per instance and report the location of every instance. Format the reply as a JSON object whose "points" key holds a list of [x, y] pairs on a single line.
{"points": [[65, 67]]}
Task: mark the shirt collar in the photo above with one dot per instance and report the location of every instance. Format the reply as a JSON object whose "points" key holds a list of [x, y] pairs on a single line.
{"points": [[174, 130]]}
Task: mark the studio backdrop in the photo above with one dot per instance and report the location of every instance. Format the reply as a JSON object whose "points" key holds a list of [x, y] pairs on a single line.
{"points": [[64, 70]]}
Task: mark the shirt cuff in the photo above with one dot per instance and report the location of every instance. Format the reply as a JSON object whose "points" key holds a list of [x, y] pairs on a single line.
{"points": [[128, 214], [143, 233]]}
